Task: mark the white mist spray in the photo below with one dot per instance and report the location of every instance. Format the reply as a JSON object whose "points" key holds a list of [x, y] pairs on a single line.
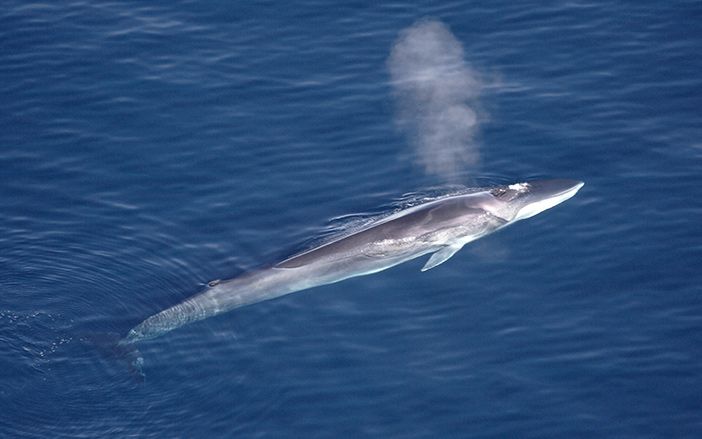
{"points": [[436, 93]]}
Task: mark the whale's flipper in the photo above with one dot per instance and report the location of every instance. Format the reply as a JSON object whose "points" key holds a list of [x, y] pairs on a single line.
{"points": [[441, 256]]}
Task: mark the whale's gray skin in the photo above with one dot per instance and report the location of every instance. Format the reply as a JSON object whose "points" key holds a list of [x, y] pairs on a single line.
{"points": [[440, 227]]}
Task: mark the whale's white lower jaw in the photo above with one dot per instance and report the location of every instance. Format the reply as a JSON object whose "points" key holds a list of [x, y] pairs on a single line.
{"points": [[535, 208]]}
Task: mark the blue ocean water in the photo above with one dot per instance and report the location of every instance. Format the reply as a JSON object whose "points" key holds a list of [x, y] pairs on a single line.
{"points": [[148, 149]]}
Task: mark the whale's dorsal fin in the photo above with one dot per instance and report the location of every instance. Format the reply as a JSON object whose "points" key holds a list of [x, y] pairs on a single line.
{"points": [[441, 256]]}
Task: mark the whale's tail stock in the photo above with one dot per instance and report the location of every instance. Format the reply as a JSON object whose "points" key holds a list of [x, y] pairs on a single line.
{"points": [[113, 347]]}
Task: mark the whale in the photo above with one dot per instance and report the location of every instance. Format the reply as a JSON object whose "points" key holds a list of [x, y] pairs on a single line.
{"points": [[439, 228]]}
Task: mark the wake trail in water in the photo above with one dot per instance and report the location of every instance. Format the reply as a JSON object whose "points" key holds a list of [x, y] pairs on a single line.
{"points": [[436, 93]]}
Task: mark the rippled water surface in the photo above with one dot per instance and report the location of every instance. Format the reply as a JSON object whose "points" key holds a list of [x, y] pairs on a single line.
{"points": [[146, 149]]}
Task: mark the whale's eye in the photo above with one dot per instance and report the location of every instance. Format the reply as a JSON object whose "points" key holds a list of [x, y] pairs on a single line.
{"points": [[498, 192], [504, 194]]}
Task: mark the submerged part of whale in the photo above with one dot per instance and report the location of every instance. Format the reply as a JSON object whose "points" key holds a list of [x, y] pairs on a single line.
{"points": [[439, 227]]}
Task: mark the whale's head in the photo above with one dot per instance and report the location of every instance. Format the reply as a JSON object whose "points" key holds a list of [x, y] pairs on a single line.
{"points": [[524, 200]]}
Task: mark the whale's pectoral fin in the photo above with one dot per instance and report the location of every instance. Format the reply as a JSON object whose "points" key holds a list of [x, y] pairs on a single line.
{"points": [[441, 256]]}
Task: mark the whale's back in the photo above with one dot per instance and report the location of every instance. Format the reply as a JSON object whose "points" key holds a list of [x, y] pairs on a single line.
{"points": [[411, 223]]}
